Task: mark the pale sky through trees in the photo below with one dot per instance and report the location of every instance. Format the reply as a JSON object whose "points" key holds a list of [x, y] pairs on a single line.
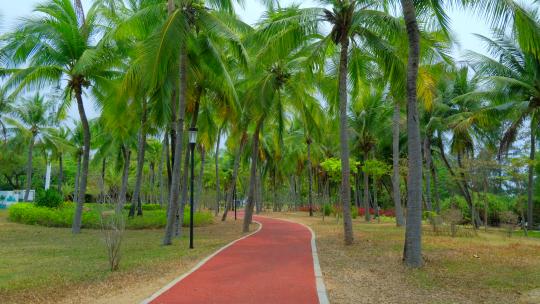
{"points": [[464, 24]]}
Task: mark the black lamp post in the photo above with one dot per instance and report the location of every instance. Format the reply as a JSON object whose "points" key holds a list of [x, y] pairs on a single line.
{"points": [[192, 140], [234, 201]]}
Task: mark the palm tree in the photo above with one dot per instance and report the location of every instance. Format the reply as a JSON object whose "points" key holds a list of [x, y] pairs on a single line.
{"points": [[33, 118], [60, 43], [5, 109], [514, 83], [166, 62], [369, 112]]}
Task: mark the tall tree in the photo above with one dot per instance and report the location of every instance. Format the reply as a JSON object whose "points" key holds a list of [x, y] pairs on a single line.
{"points": [[33, 118], [55, 45]]}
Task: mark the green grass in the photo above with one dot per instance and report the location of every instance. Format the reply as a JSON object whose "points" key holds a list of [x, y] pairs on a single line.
{"points": [[40, 262], [152, 218]]}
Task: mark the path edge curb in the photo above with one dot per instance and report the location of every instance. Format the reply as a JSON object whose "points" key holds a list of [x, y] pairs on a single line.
{"points": [[197, 266], [319, 280]]}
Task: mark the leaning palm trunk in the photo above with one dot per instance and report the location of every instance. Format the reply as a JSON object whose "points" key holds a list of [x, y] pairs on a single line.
{"points": [[135, 200], [234, 177], [29, 167], [125, 174], [395, 161], [531, 178], [177, 160], [344, 141], [77, 219], [412, 253], [248, 215]]}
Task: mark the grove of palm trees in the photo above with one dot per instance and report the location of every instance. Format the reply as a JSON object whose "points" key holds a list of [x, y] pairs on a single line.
{"points": [[123, 122]]}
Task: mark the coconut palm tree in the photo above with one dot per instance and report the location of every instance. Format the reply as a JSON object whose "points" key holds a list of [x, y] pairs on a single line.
{"points": [[166, 62], [5, 109], [33, 117], [514, 82], [60, 43]]}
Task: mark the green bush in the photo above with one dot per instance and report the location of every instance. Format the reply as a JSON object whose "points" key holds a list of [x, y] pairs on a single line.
{"points": [[327, 209], [497, 204], [30, 214], [146, 207], [354, 212], [49, 198]]}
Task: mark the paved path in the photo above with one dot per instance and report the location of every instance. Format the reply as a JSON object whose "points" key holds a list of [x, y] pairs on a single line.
{"points": [[274, 265]]}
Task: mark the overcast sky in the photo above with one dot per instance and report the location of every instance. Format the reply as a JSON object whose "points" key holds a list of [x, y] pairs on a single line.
{"points": [[464, 24]]}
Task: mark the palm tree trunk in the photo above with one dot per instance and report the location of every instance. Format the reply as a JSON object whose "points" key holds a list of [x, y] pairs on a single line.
{"points": [[216, 159], [344, 140], [412, 253], [248, 215], [367, 215], [427, 174], [436, 189], [177, 160], [310, 186], [184, 197], [29, 168], [197, 200], [164, 154], [229, 195], [530, 186], [375, 201], [395, 163], [102, 186], [126, 152], [77, 178], [60, 172], [141, 149], [77, 219]]}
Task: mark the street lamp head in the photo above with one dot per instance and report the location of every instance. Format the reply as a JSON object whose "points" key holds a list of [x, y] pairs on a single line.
{"points": [[192, 135]]}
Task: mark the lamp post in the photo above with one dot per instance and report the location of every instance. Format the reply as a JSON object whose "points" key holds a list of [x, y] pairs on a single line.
{"points": [[234, 201], [192, 140]]}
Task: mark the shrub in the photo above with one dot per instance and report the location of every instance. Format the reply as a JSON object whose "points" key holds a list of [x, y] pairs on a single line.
{"points": [[354, 213], [327, 209], [145, 207], [49, 198], [30, 214], [306, 208], [452, 216], [382, 212]]}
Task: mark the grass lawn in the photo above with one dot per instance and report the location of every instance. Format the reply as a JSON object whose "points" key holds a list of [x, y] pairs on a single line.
{"points": [[490, 268], [50, 265]]}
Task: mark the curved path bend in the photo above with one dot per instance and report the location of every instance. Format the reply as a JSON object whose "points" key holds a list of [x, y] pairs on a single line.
{"points": [[276, 264]]}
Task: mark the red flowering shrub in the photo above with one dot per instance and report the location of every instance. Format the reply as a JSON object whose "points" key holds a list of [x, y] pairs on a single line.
{"points": [[382, 212]]}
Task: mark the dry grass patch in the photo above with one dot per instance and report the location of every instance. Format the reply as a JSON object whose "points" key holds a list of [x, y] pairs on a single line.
{"points": [[50, 265], [489, 268]]}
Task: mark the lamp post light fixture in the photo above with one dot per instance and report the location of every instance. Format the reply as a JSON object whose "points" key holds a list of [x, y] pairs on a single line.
{"points": [[192, 134]]}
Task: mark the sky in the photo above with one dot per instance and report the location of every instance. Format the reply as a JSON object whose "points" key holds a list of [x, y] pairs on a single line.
{"points": [[463, 23]]}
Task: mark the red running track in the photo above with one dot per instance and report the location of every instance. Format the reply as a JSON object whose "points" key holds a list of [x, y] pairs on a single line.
{"points": [[272, 266]]}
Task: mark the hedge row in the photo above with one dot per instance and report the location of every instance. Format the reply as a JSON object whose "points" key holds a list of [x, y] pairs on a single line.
{"points": [[27, 213]]}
